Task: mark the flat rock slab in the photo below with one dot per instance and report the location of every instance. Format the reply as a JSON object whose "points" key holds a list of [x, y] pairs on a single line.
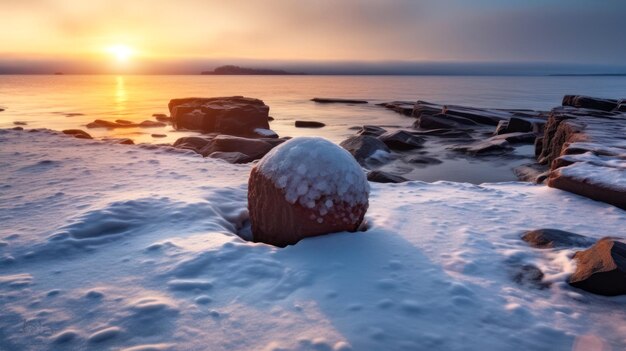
{"points": [[586, 152], [554, 238], [309, 124], [378, 176], [481, 116], [339, 101]]}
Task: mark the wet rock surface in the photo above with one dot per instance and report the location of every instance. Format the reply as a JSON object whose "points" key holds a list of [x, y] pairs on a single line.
{"points": [[338, 101], [529, 275], [401, 140], [363, 146], [601, 269], [581, 143], [77, 133], [554, 238], [378, 176], [229, 148], [309, 124]]}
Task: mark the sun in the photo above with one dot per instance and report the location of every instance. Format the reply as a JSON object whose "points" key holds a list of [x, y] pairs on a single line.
{"points": [[122, 53]]}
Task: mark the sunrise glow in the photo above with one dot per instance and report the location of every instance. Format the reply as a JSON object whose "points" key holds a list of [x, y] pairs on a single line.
{"points": [[122, 53]]}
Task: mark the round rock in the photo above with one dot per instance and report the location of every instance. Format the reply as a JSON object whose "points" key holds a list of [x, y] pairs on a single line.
{"points": [[306, 187]]}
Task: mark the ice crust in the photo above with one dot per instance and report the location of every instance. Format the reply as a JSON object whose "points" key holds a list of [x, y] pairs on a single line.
{"points": [[315, 173]]}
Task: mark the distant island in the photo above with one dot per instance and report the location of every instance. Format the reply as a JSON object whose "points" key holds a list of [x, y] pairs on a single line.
{"points": [[236, 70]]}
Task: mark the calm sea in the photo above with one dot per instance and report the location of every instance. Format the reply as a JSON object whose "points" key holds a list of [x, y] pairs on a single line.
{"points": [[54, 101], [45, 101]]}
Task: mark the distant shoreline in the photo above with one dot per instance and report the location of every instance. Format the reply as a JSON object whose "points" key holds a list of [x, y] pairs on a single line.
{"points": [[231, 70]]}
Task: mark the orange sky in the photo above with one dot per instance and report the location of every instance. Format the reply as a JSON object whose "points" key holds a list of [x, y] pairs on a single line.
{"points": [[311, 30]]}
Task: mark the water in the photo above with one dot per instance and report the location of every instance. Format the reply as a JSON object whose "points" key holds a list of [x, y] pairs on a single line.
{"points": [[46, 101]]}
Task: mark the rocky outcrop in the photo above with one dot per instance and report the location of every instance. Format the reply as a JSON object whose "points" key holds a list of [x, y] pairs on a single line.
{"points": [[339, 101], [77, 133], [554, 238], [601, 269], [363, 146], [585, 150], [235, 115], [379, 176], [294, 193]]}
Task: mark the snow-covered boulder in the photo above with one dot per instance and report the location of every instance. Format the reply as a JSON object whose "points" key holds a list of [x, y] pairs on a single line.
{"points": [[305, 187]]}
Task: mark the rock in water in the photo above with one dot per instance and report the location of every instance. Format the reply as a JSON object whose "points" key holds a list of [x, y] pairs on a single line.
{"points": [[363, 146], [305, 187], [601, 269], [378, 176], [77, 133], [235, 115], [547, 238]]}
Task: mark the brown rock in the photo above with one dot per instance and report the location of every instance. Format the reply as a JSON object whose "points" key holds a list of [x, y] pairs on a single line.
{"points": [[77, 133], [601, 269], [235, 115], [253, 148], [550, 238], [309, 124]]}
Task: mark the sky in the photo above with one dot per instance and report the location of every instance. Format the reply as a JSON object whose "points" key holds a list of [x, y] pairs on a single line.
{"points": [[186, 36]]}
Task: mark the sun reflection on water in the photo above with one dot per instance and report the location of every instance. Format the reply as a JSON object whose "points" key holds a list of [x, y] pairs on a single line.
{"points": [[120, 96]]}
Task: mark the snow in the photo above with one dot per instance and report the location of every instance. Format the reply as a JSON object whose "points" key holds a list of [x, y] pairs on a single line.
{"points": [[133, 248], [315, 173]]}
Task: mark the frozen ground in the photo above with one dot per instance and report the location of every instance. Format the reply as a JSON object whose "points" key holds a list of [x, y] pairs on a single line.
{"points": [[121, 247]]}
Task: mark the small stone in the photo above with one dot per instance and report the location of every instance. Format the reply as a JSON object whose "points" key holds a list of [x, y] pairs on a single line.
{"points": [[384, 177], [309, 124]]}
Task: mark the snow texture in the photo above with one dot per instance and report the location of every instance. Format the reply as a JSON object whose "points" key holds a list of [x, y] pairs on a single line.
{"points": [[121, 247], [315, 173]]}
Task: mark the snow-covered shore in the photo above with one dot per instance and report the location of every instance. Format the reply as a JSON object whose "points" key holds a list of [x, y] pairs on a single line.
{"points": [[126, 247]]}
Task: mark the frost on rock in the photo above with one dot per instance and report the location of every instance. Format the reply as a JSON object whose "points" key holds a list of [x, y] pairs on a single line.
{"points": [[316, 174]]}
